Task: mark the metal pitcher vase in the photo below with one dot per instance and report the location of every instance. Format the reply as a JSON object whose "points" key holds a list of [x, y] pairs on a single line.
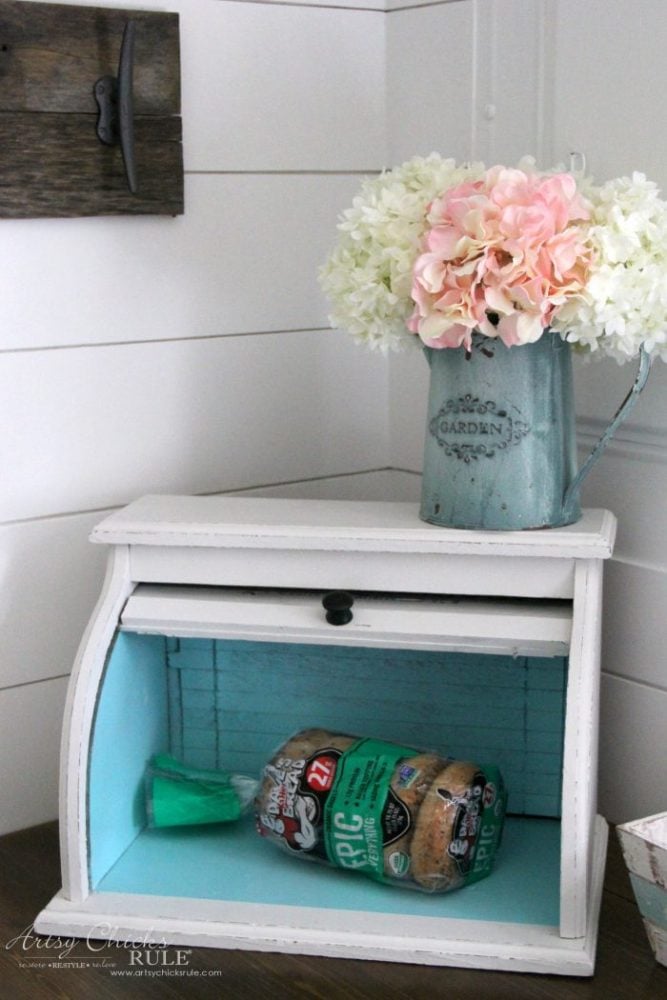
{"points": [[500, 450]]}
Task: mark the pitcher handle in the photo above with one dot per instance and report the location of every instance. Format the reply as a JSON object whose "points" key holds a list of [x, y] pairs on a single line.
{"points": [[571, 497]]}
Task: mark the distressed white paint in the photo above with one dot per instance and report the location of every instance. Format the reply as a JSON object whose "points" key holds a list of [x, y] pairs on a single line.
{"points": [[644, 843], [78, 721], [492, 627], [176, 540], [658, 940], [580, 760], [338, 934], [233, 522], [459, 575], [181, 528]]}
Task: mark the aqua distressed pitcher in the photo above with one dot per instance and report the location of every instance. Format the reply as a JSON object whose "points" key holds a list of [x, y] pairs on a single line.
{"points": [[500, 448]]}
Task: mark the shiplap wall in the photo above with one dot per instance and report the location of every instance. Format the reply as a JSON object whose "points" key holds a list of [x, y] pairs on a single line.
{"points": [[495, 79], [192, 355], [183, 355]]}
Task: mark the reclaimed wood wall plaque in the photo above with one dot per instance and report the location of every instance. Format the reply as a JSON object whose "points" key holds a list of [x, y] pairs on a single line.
{"points": [[69, 75]]}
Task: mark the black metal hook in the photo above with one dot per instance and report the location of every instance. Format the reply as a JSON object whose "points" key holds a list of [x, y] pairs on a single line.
{"points": [[115, 100]]}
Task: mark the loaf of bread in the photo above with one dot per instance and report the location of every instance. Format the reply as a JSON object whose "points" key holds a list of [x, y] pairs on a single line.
{"points": [[394, 813]]}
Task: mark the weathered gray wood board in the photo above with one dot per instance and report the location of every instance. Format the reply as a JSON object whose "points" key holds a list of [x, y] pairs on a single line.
{"points": [[52, 162]]}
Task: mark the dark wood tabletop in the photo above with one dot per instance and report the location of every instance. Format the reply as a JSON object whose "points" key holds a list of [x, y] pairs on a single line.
{"points": [[37, 968]]}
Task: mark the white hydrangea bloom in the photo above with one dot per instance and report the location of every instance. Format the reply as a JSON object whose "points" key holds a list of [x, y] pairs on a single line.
{"points": [[368, 276], [624, 304]]}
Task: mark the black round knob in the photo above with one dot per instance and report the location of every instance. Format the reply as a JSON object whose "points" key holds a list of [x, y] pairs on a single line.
{"points": [[337, 605]]}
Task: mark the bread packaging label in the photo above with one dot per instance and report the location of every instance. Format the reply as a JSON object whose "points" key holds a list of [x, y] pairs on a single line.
{"points": [[393, 813]]}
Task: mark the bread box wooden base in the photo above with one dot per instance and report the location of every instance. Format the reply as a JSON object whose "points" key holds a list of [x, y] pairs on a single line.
{"points": [[209, 640]]}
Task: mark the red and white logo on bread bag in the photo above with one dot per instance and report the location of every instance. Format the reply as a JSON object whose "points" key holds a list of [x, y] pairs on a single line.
{"points": [[489, 794], [320, 772]]}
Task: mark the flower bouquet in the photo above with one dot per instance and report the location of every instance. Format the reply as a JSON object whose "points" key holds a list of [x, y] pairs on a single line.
{"points": [[484, 261], [439, 250]]}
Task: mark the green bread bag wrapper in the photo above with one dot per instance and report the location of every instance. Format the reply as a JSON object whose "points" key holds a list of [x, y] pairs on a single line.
{"points": [[400, 815], [177, 795]]}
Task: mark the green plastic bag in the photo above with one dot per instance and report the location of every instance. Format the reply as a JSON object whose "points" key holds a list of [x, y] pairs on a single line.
{"points": [[177, 795]]}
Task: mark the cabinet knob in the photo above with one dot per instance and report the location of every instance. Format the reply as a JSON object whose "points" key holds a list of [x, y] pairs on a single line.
{"points": [[337, 605]]}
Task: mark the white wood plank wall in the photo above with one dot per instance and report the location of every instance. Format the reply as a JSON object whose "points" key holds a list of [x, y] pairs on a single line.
{"points": [[192, 355], [496, 79], [609, 111], [184, 355]]}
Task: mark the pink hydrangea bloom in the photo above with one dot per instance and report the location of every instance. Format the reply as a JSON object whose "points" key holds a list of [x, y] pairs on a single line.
{"points": [[500, 256]]}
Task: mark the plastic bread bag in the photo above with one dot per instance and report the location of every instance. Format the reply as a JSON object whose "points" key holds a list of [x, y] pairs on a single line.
{"points": [[177, 795], [396, 814]]}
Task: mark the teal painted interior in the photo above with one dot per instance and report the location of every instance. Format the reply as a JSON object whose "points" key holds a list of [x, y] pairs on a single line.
{"points": [[229, 704], [130, 725], [232, 863], [232, 703]]}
